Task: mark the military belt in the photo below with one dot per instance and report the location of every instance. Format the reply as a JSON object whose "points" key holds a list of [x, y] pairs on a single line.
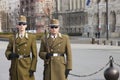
{"points": [[23, 56], [56, 54]]}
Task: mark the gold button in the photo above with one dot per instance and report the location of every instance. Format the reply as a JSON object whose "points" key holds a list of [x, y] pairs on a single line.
{"points": [[51, 49], [51, 58], [47, 62], [18, 49]]}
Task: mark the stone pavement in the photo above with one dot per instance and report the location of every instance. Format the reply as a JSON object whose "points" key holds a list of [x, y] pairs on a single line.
{"points": [[85, 40], [99, 41], [80, 40], [87, 58]]}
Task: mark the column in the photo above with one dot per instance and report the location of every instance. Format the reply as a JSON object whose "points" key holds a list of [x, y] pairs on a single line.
{"points": [[83, 4], [71, 5], [59, 5], [68, 1], [74, 4], [78, 4]]}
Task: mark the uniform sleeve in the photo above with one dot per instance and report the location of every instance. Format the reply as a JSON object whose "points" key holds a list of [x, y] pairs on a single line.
{"points": [[34, 54], [42, 52], [9, 48], [68, 54]]}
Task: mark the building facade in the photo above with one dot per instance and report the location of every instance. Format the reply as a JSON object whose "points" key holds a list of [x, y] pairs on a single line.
{"points": [[104, 17], [3, 10], [72, 15], [9, 11], [43, 12], [27, 8]]}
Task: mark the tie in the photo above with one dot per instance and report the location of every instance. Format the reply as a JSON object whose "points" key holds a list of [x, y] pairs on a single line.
{"points": [[21, 36], [54, 36]]}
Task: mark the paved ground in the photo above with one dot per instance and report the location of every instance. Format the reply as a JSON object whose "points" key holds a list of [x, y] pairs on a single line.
{"points": [[87, 58]]}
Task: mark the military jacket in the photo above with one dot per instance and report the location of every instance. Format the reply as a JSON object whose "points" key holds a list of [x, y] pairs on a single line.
{"points": [[55, 66], [20, 67]]}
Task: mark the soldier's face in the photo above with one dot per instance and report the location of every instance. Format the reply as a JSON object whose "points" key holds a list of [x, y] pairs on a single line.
{"points": [[22, 27], [54, 29]]}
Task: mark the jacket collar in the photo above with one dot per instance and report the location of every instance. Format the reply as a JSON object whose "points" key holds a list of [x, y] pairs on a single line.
{"points": [[26, 35], [58, 35]]}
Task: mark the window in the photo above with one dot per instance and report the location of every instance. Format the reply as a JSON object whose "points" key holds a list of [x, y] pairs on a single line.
{"points": [[22, 2], [31, 0]]}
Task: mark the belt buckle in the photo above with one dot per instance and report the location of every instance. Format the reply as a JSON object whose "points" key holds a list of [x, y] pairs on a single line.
{"points": [[55, 54], [20, 56]]}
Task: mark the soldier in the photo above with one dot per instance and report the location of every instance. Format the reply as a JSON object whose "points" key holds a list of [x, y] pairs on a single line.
{"points": [[24, 58], [55, 50]]}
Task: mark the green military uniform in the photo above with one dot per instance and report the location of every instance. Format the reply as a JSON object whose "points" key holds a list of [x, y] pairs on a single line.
{"points": [[20, 67], [54, 68]]}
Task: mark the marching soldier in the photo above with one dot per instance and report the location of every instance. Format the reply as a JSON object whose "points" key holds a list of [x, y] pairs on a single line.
{"points": [[55, 50], [24, 58]]}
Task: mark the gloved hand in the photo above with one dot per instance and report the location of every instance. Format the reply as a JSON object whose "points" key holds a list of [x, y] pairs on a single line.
{"points": [[48, 55], [67, 72], [13, 55], [31, 72]]}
